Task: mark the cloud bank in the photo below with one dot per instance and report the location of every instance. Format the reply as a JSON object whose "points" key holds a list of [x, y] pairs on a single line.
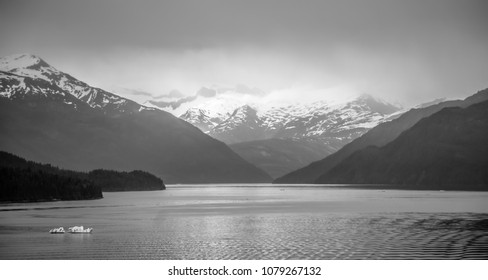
{"points": [[406, 51]]}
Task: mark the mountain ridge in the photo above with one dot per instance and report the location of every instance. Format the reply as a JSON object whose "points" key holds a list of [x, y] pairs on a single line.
{"points": [[445, 150], [377, 136], [49, 116], [321, 119]]}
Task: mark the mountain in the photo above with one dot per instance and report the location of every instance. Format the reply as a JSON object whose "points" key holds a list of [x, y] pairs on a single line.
{"points": [[27, 76], [324, 120], [243, 125], [209, 106], [241, 115], [446, 150], [223, 111], [49, 116], [377, 136], [280, 156], [195, 115], [234, 118]]}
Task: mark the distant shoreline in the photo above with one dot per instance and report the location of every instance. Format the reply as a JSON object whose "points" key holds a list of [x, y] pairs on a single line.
{"points": [[45, 200], [476, 188]]}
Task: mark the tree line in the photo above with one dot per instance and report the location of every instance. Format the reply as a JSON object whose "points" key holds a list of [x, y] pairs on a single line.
{"points": [[22, 180]]}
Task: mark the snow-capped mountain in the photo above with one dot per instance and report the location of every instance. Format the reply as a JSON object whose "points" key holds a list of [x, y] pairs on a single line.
{"points": [[344, 121], [242, 125], [234, 117], [49, 116], [28, 75], [232, 114], [209, 104], [379, 137]]}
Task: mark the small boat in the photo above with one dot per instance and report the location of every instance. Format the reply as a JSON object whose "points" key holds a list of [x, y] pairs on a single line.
{"points": [[79, 229], [57, 230]]}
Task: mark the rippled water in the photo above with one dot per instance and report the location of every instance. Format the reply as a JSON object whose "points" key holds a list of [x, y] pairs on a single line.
{"points": [[253, 222]]}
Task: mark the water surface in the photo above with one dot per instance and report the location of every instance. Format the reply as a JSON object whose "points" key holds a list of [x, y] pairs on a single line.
{"points": [[253, 222]]}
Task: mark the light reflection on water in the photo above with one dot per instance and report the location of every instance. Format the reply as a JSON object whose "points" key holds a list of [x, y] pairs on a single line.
{"points": [[253, 222]]}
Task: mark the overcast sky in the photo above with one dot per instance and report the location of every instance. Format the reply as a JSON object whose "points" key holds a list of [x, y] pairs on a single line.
{"points": [[407, 51]]}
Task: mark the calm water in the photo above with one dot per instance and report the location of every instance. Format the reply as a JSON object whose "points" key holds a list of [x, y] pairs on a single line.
{"points": [[253, 222]]}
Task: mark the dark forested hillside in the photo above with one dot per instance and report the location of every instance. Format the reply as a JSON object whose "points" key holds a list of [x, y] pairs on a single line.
{"points": [[17, 184], [22, 180], [447, 150], [377, 136], [115, 181]]}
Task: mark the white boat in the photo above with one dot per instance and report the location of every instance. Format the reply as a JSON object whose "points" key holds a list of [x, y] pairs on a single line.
{"points": [[57, 230], [79, 229]]}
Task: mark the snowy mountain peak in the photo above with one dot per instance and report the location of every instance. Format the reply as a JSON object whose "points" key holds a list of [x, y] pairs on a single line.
{"points": [[196, 115], [201, 117], [236, 114], [28, 75], [28, 65], [330, 120], [377, 105], [242, 114], [246, 109], [20, 61]]}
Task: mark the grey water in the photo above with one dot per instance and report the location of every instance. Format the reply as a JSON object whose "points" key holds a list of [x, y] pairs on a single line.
{"points": [[253, 222]]}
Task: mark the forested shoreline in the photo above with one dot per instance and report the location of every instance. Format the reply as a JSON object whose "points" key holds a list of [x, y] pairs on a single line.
{"points": [[27, 181]]}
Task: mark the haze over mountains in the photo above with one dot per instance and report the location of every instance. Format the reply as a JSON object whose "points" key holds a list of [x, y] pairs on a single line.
{"points": [[251, 121], [49, 116], [239, 114], [280, 156]]}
